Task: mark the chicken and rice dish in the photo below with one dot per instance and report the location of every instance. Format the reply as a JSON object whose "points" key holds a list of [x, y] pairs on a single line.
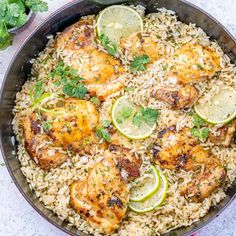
{"points": [[128, 128]]}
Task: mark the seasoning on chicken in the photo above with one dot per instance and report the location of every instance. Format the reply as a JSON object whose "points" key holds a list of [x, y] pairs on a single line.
{"points": [[226, 135], [191, 63], [181, 98], [179, 150], [68, 127], [100, 71], [39, 145], [102, 198], [138, 45], [128, 163]]}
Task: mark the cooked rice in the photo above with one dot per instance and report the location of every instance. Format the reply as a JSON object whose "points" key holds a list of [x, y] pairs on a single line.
{"points": [[52, 188]]}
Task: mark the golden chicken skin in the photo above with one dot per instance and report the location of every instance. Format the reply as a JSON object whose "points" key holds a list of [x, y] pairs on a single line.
{"points": [[138, 45], [181, 98], [226, 135], [77, 48], [39, 145], [102, 198], [69, 126], [192, 62], [179, 150]]}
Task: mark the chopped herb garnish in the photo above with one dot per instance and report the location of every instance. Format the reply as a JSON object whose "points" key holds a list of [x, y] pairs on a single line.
{"points": [[129, 89], [72, 84], [103, 133], [95, 101], [147, 115], [46, 125], [74, 89], [198, 131], [201, 133], [124, 114], [108, 45], [106, 123], [38, 90], [139, 63]]}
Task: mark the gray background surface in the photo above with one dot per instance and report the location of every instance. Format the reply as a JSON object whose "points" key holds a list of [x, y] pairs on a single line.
{"points": [[16, 215]]}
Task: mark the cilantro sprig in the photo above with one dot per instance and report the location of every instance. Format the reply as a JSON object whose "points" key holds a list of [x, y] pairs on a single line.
{"points": [[108, 45], [13, 14], [199, 131], [68, 79], [146, 115], [139, 63], [102, 131]]}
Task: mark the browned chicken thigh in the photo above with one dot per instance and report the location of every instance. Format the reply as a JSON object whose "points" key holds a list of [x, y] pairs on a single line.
{"points": [[226, 134], [69, 127], [179, 150], [76, 47], [189, 65], [102, 198]]}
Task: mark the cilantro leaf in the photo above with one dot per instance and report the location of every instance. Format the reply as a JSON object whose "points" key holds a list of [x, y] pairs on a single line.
{"points": [[149, 115], [108, 45], [68, 78], [46, 126], [103, 133], [124, 114], [146, 115], [95, 101], [198, 131], [137, 119], [201, 134], [106, 123], [139, 63], [198, 121], [74, 89], [36, 5], [5, 37], [38, 90]]}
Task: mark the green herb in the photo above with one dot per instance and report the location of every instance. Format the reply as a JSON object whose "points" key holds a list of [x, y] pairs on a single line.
{"points": [[147, 115], [201, 134], [139, 63], [129, 89], [46, 125], [36, 5], [72, 85], [13, 14], [106, 123], [74, 89], [124, 114], [197, 131], [199, 67], [103, 133], [108, 45], [95, 101], [2, 164], [38, 90]]}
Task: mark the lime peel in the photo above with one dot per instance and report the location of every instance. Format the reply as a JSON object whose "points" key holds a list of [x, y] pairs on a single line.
{"points": [[147, 188]]}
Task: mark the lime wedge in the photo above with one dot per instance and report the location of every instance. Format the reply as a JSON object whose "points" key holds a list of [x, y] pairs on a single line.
{"points": [[153, 201], [133, 121], [221, 108], [118, 21], [146, 185]]}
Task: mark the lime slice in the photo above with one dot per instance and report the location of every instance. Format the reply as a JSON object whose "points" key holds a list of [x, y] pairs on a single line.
{"points": [[118, 21], [153, 201], [221, 109], [146, 185], [128, 119]]}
